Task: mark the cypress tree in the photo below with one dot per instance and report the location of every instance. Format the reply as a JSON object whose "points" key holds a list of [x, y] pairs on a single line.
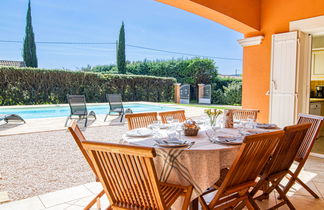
{"points": [[29, 48], [121, 56]]}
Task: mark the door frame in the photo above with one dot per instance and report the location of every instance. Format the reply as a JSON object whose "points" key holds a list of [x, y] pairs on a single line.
{"points": [[313, 26]]}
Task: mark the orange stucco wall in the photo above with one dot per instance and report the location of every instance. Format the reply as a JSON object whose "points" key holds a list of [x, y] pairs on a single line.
{"points": [[274, 17]]}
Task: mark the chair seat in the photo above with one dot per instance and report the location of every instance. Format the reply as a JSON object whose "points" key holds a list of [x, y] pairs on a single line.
{"points": [[170, 193], [117, 110], [79, 113]]}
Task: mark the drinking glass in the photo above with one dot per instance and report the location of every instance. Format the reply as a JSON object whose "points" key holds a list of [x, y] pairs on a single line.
{"points": [[251, 121], [156, 128], [171, 132], [179, 130], [243, 124], [175, 121], [205, 120], [169, 119]]}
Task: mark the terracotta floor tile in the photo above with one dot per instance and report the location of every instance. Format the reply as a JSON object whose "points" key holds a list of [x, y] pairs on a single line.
{"points": [[305, 202]]}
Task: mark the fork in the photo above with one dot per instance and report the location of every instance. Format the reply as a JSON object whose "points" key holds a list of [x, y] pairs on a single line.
{"points": [[191, 144]]}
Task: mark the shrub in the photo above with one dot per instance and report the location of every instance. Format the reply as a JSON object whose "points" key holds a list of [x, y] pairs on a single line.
{"points": [[190, 71], [233, 93], [41, 86], [106, 69]]}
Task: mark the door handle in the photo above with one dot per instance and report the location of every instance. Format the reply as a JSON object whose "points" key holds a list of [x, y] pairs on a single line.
{"points": [[274, 84], [267, 93]]}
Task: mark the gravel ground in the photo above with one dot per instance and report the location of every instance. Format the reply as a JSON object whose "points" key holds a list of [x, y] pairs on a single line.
{"points": [[37, 163]]}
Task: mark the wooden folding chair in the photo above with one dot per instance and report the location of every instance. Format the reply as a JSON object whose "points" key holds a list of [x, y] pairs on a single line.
{"points": [[305, 150], [278, 165], [140, 120], [129, 179], [179, 115], [79, 138], [244, 114], [252, 157]]}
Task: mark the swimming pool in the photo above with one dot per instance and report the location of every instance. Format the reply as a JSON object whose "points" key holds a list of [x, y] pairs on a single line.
{"points": [[64, 111]]}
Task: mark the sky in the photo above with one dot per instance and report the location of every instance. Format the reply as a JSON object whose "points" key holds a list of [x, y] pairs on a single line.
{"points": [[148, 24]]}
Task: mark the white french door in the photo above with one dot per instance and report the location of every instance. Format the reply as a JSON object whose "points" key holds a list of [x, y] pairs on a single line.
{"points": [[288, 89]]}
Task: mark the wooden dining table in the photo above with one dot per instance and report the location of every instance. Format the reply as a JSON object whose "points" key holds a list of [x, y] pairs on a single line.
{"points": [[199, 165]]}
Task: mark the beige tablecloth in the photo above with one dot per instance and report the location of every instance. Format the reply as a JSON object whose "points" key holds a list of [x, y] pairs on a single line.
{"points": [[199, 166]]}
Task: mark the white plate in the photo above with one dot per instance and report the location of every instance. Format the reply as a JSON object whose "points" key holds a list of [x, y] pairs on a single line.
{"points": [[229, 140], [266, 126], [140, 132], [162, 126]]}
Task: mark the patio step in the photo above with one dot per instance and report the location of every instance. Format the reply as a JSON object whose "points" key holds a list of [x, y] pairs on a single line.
{"points": [[4, 197]]}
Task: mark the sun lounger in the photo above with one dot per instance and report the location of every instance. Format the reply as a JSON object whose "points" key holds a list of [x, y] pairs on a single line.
{"points": [[116, 105], [78, 108], [11, 118]]}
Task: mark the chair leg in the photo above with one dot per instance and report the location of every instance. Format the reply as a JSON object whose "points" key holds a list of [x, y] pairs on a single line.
{"points": [[106, 117], [187, 197], [95, 200], [285, 199], [67, 120], [121, 117], [86, 121], [252, 202], [307, 188], [203, 203], [292, 181], [249, 205]]}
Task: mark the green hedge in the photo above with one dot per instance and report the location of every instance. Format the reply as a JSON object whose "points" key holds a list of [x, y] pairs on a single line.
{"points": [[190, 71], [42, 86]]}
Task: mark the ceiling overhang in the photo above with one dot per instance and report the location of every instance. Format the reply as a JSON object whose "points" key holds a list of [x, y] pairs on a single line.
{"points": [[242, 16]]}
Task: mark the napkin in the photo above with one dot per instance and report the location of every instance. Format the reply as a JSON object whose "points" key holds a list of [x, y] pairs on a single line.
{"points": [[139, 132]]}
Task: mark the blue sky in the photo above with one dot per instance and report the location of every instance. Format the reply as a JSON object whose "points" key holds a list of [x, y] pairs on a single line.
{"points": [[147, 23]]}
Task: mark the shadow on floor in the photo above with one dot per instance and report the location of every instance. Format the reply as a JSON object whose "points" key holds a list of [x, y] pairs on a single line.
{"points": [[319, 145], [6, 126]]}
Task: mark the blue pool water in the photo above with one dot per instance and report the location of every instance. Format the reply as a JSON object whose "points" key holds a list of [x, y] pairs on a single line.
{"points": [[64, 111]]}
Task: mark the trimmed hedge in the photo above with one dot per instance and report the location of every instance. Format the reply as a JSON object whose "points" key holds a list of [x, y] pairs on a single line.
{"points": [[191, 71], [42, 86]]}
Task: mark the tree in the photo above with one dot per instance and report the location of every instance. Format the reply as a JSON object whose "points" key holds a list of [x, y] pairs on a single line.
{"points": [[29, 48], [121, 56]]}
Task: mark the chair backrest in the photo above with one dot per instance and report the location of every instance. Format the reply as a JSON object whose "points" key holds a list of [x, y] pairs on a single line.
{"points": [[244, 114], [178, 114], [79, 138], [140, 120], [252, 157], [287, 149], [311, 134], [127, 174], [115, 101], [77, 104]]}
